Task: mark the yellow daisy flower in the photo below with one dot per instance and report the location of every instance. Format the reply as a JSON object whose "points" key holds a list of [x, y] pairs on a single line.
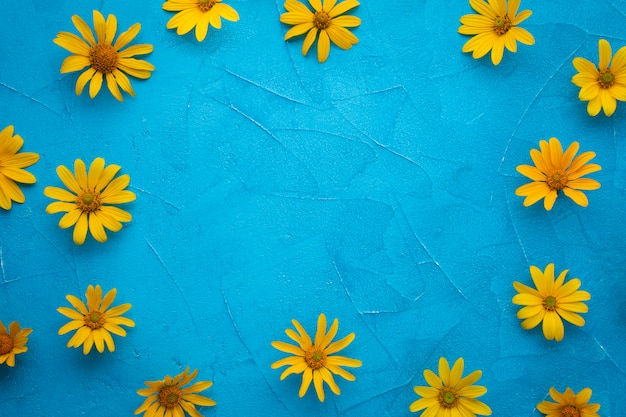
{"points": [[104, 58], [601, 86], [198, 14], [12, 342], [569, 404], [11, 164], [324, 19], [313, 359], [168, 397], [89, 207], [449, 394], [494, 28], [550, 302], [95, 322], [556, 171]]}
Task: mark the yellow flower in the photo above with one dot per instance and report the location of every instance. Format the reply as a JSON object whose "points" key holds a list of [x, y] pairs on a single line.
{"points": [[601, 86], [94, 321], [13, 342], [569, 404], [168, 397], [325, 20], [11, 164], [449, 394], [198, 14], [556, 171], [104, 58], [494, 27], [313, 360], [550, 302], [88, 207]]}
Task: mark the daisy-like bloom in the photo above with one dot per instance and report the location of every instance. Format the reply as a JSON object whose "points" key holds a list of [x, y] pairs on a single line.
{"points": [[556, 171], [324, 19], [198, 14], [450, 395], [170, 398], [88, 205], [104, 58], [95, 321], [601, 86], [313, 359], [569, 404], [494, 28], [550, 301], [11, 168], [12, 342]]}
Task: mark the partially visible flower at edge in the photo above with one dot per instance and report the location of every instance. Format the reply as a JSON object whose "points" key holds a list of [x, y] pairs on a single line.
{"points": [[601, 86], [11, 163], [494, 28], [324, 19], [550, 301], [556, 171], [95, 321], [569, 404], [198, 14], [12, 342], [313, 359], [91, 206], [105, 59], [169, 397], [449, 394]]}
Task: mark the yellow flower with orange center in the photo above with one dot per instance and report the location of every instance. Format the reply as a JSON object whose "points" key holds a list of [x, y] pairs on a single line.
{"points": [[12, 342], [90, 202], [95, 321], [315, 359], [199, 14], [12, 163], [169, 397], [106, 60], [569, 404]]}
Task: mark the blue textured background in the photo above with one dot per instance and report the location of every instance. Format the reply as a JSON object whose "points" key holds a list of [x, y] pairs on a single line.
{"points": [[377, 188]]}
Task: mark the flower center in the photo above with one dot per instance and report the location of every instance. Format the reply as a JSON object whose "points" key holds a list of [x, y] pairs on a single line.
{"points": [[315, 358], [557, 179], [6, 344], [103, 58], [88, 201], [206, 5], [502, 24], [606, 79], [94, 319], [321, 20], [549, 303], [170, 396], [448, 397], [570, 411]]}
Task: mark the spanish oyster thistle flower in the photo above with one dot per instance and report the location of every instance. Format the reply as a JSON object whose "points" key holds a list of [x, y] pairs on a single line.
{"points": [[494, 28]]}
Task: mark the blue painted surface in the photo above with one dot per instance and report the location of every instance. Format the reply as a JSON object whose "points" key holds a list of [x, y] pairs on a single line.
{"points": [[377, 188]]}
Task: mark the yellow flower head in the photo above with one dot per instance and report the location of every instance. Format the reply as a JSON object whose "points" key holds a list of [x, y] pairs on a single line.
{"points": [[556, 171], [550, 302], [569, 404], [198, 14], [324, 19], [12, 342], [104, 58], [449, 394], [494, 27], [601, 86], [11, 164], [95, 322], [88, 204], [169, 397], [313, 359]]}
